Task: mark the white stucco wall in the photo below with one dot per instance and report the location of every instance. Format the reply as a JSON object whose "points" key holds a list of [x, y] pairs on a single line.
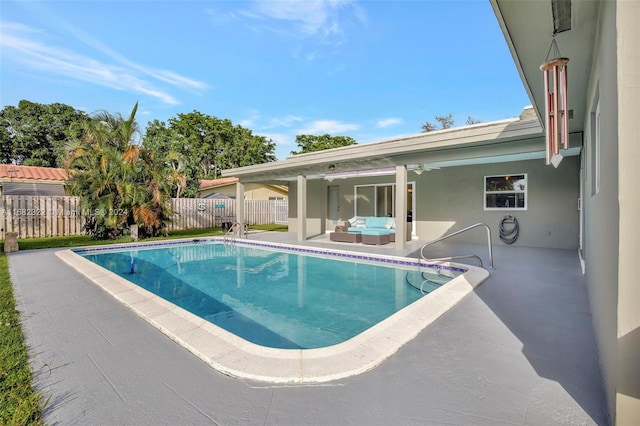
{"points": [[612, 230], [316, 207], [628, 333], [451, 198], [601, 208]]}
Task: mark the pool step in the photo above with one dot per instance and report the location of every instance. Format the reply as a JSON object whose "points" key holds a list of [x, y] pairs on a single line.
{"points": [[425, 282]]}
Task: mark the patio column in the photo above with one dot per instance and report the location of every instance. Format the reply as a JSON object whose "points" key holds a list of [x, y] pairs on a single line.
{"points": [[239, 202], [302, 207], [401, 207]]}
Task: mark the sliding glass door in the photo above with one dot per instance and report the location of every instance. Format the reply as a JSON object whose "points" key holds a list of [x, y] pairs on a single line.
{"points": [[380, 200]]}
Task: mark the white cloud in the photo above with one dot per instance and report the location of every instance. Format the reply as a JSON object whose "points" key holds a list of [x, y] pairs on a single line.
{"points": [[324, 19], [286, 121], [310, 17], [280, 138], [20, 44], [387, 122], [316, 28], [285, 143], [254, 116], [333, 127]]}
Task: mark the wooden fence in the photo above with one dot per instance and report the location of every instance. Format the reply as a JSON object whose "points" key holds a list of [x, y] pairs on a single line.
{"points": [[36, 217], [193, 213]]}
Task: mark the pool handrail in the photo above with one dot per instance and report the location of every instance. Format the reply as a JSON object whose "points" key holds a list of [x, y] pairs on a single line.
{"points": [[437, 240], [236, 230]]}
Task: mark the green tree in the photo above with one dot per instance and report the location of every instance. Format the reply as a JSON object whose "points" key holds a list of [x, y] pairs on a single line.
{"points": [[445, 122], [120, 183], [34, 134], [312, 143], [201, 146], [183, 174]]}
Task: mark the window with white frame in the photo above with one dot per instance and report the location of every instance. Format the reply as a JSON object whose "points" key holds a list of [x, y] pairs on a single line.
{"points": [[505, 192]]}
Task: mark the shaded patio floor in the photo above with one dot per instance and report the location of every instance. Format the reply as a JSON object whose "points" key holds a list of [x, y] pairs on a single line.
{"points": [[520, 350]]}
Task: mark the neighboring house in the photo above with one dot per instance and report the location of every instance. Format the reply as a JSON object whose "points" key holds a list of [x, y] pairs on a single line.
{"points": [[226, 188], [30, 180], [457, 177]]}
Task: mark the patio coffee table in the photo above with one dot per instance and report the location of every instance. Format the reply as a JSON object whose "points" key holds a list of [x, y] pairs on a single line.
{"points": [[346, 237]]}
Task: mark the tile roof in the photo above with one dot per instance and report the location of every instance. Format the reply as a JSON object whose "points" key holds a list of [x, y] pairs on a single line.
{"points": [[212, 183], [11, 171]]}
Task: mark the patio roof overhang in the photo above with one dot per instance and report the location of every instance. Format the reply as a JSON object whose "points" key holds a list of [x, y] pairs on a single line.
{"points": [[506, 140]]}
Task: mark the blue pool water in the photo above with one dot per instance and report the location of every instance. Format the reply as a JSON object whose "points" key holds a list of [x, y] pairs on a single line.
{"points": [[275, 297]]}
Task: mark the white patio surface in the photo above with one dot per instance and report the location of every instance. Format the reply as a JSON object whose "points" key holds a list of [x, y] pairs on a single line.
{"points": [[518, 350]]}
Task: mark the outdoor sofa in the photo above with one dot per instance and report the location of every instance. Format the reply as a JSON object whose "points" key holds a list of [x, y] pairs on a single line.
{"points": [[374, 225]]}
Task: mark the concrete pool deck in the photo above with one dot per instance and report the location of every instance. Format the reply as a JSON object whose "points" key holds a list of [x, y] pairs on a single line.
{"points": [[519, 349], [239, 358]]}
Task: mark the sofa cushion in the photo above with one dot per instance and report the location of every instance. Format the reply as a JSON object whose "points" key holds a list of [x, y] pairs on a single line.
{"points": [[375, 222], [390, 223], [359, 222]]}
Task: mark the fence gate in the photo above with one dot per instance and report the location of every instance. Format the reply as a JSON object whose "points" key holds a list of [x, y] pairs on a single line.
{"points": [[282, 211]]}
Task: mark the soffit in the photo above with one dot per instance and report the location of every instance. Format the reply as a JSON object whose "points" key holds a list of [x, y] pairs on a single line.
{"points": [[528, 30]]}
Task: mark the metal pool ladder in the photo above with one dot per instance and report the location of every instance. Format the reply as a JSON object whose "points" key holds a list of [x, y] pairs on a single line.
{"points": [[237, 229], [466, 256]]}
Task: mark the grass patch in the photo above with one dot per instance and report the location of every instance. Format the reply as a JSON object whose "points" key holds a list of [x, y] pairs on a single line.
{"points": [[19, 403], [68, 241], [85, 240], [270, 227]]}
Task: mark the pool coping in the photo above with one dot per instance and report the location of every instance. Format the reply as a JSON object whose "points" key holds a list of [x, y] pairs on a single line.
{"points": [[236, 357]]}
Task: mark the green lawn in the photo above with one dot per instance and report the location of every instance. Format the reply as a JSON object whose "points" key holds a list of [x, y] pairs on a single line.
{"points": [[85, 240], [19, 403]]}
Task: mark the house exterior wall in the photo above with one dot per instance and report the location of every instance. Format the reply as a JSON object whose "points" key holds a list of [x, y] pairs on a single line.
{"points": [[601, 208], [628, 336], [252, 191], [316, 207], [612, 231], [31, 187], [451, 198]]}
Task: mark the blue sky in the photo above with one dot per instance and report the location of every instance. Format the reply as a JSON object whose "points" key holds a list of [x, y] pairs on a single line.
{"points": [[366, 69]]}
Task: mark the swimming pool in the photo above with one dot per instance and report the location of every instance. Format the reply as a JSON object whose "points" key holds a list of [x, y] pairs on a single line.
{"points": [[273, 297], [346, 341]]}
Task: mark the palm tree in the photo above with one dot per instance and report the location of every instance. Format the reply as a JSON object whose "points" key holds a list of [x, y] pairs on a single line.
{"points": [[119, 182]]}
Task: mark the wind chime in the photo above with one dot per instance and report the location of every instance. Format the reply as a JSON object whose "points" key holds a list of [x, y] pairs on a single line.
{"points": [[556, 91]]}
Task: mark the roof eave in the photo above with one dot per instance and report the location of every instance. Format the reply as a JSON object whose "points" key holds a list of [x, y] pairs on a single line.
{"points": [[389, 152]]}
